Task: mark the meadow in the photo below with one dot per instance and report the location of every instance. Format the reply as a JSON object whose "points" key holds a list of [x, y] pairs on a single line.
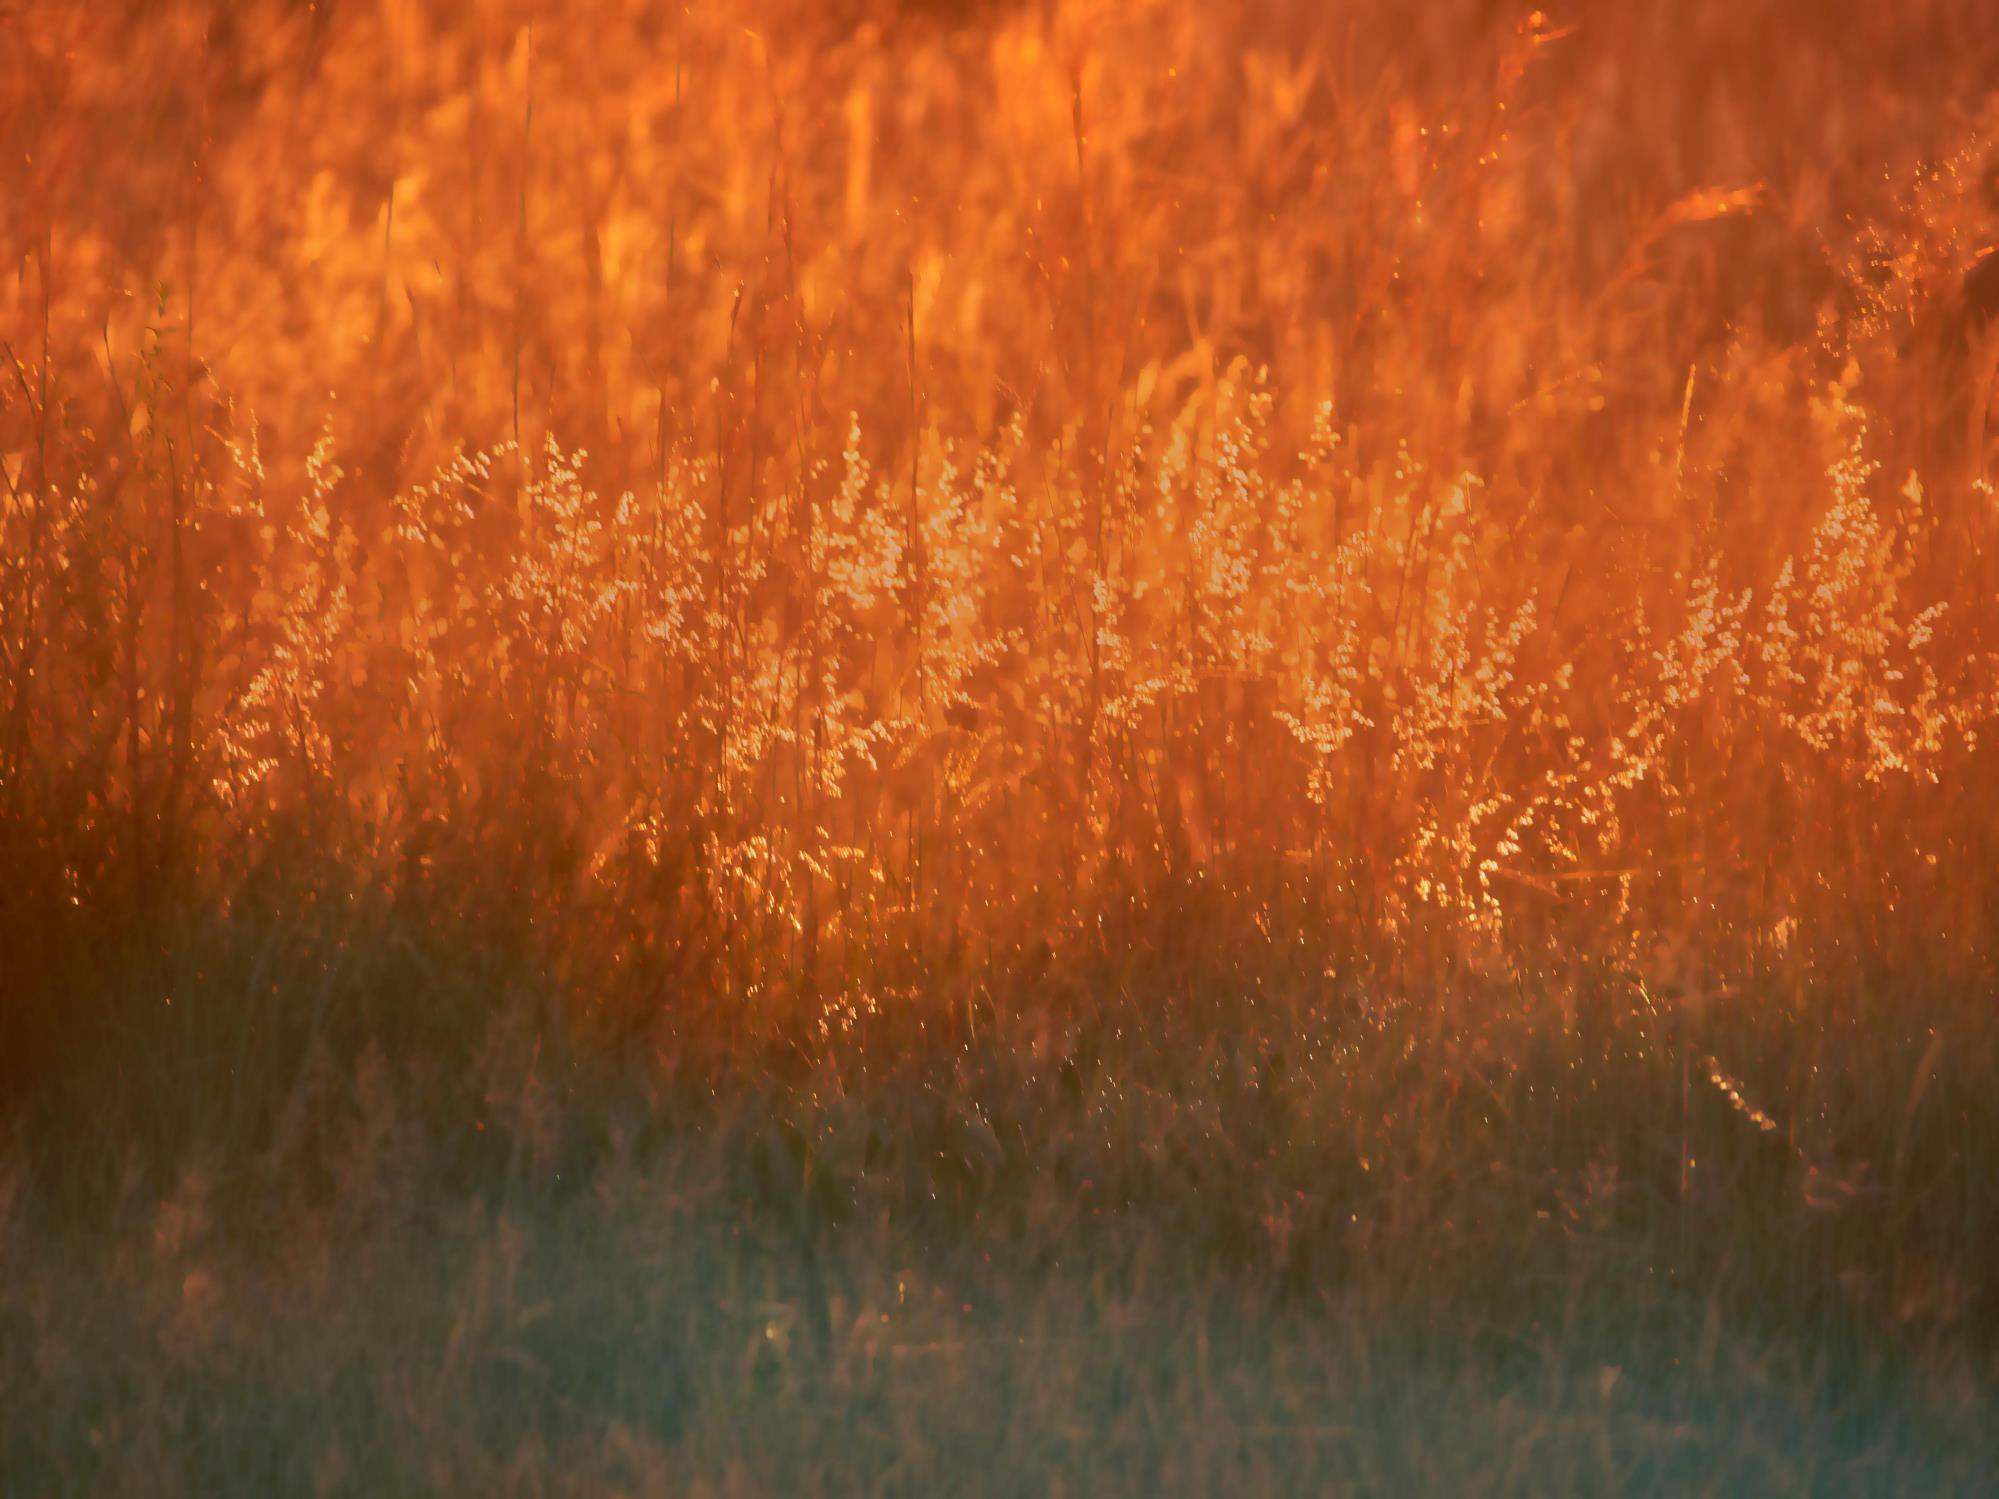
{"points": [[999, 747]]}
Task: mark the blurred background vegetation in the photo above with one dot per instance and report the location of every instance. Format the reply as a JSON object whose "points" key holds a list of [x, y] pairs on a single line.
{"points": [[1355, 639]]}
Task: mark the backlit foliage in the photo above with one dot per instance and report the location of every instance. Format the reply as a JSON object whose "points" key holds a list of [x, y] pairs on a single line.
{"points": [[818, 510]]}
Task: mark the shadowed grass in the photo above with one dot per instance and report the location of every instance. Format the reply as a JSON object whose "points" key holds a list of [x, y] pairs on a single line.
{"points": [[1205, 1242]]}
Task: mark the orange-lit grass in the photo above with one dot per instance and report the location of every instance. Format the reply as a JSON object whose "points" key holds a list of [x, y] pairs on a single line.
{"points": [[1226, 605]]}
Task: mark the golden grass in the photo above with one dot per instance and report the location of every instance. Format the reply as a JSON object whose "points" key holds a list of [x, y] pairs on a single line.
{"points": [[1434, 566]]}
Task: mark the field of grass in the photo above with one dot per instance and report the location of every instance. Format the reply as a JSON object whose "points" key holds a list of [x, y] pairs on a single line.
{"points": [[999, 747]]}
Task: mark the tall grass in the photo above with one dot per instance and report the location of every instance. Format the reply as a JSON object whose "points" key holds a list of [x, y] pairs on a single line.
{"points": [[1343, 650]]}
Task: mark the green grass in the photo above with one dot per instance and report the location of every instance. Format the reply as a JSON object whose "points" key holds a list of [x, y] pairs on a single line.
{"points": [[1200, 1242], [648, 1343]]}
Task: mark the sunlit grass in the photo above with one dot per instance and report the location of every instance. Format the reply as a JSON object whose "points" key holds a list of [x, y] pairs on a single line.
{"points": [[1278, 678]]}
